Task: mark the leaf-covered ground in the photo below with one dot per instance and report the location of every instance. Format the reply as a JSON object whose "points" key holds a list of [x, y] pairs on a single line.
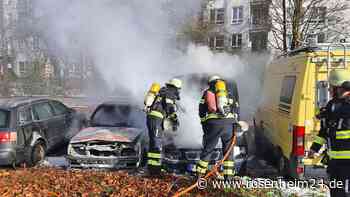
{"points": [[56, 182]]}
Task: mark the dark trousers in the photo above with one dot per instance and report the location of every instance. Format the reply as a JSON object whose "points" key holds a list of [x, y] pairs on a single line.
{"points": [[340, 171], [154, 126], [213, 131]]}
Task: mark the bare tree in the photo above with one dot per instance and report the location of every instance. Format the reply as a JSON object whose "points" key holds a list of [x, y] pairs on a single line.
{"points": [[196, 30], [303, 18]]}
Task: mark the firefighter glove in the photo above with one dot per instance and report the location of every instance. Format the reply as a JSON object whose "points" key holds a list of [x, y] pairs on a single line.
{"points": [[176, 123]]}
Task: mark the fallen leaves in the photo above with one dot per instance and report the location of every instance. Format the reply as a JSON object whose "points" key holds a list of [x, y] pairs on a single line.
{"points": [[52, 182], [56, 183]]}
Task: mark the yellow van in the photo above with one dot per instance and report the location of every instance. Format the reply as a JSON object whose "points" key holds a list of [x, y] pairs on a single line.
{"points": [[295, 88]]}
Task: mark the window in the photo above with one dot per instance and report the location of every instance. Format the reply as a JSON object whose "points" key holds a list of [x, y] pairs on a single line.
{"points": [[24, 115], [118, 115], [317, 38], [21, 44], [321, 38], [322, 94], [4, 119], [259, 15], [318, 15], [217, 16], [287, 90], [216, 42], [22, 68], [237, 15], [236, 41], [59, 108], [42, 111], [259, 41], [36, 43]]}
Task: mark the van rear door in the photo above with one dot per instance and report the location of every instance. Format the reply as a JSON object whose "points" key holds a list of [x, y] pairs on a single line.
{"points": [[285, 118]]}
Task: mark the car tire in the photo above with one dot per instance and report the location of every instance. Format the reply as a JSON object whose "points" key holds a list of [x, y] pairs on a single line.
{"points": [[35, 154], [282, 163]]}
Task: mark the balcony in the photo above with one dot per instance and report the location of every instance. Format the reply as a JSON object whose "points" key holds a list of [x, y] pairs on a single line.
{"points": [[260, 25], [259, 2]]}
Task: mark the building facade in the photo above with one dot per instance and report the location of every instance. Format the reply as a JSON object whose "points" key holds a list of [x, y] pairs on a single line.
{"points": [[237, 25], [20, 42], [256, 25], [23, 49]]}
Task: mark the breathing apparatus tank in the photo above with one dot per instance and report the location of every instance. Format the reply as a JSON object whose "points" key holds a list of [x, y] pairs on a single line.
{"points": [[222, 100], [151, 95]]}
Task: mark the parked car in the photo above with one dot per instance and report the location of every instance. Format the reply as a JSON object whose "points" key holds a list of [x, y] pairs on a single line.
{"points": [[29, 127], [295, 89], [116, 138]]}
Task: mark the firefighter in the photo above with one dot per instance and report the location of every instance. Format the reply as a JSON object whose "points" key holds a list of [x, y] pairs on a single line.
{"points": [[164, 106], [335, 132], [216, 124]]}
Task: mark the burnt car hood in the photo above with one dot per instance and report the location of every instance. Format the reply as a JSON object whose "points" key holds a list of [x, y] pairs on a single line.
{"points": [[109, 134]]}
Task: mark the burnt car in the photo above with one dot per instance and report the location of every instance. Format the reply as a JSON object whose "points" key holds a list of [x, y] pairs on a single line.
{"points": [[116, 138], [30, 127], [180, 157]]}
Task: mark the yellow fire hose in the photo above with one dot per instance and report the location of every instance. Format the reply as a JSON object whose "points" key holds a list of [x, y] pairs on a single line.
{"points": [[211, 172]]}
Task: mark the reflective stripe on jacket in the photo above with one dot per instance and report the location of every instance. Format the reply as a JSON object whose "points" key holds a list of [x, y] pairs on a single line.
{"points": [[335, 129]]}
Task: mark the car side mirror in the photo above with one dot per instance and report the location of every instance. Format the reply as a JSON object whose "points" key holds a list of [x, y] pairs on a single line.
{"points": [[88, 122], [71, 110], [22, 122]]}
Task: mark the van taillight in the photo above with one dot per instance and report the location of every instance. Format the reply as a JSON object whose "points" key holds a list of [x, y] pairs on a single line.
{"points": [[8, 137], [298, 141]]}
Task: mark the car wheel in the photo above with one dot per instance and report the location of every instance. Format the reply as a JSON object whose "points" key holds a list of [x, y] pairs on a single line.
{"points": [[282, 164], [36, 154]]}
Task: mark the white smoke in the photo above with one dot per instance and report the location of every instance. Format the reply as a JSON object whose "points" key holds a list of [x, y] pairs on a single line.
{"points": [[131, 44]]}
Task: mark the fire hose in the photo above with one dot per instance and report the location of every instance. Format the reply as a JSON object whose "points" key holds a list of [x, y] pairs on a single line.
{"points": [[212, 172]]}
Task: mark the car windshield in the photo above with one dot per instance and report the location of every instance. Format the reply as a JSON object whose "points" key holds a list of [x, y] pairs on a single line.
{"points": [[4, 119], [118, 116]]}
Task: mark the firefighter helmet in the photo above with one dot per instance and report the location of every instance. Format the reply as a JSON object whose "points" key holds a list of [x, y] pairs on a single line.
{"points": [[213, 78], [346, 85], [337, 77], [175, 82]]}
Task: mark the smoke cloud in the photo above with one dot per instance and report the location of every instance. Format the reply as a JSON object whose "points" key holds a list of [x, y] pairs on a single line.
{"points": [[132, 44]]}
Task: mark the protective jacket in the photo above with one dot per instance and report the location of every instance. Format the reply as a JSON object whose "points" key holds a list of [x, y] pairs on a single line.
{"points": [[165, 103], [335, 129]]}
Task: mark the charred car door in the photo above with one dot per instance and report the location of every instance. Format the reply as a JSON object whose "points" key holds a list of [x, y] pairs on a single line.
{"points": [[24, 130], [44, 118]]}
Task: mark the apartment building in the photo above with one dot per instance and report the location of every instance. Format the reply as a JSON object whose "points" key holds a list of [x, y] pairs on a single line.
{"points": [[20, 44], [250, 25], [237, 25]]}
